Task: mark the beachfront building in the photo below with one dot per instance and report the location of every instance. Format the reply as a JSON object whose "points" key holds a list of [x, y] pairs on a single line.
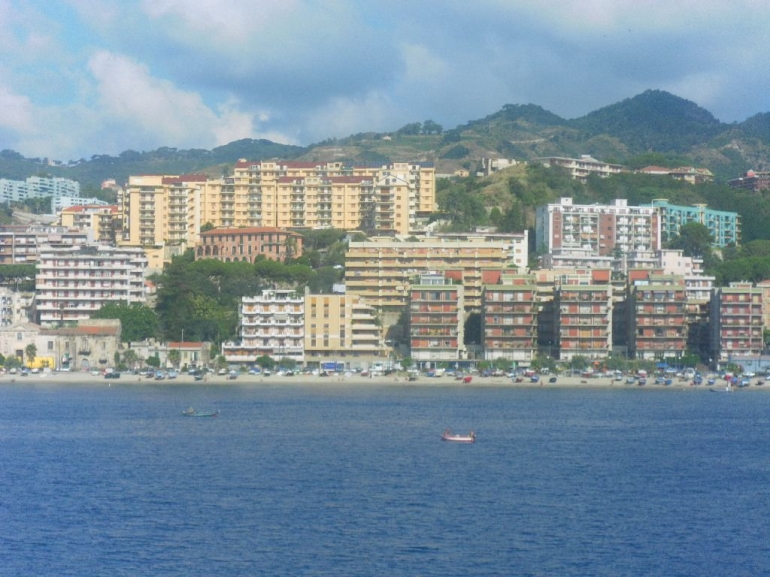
{"points": [[381, 270], [736, 322], [509, 320], [272, 325], [88, 344], [436, 320], [657, 307], [74, 282], [724, 226], [596, 230], [581, 168], [20, 244], [246, 244], [100, 222], [583, 320], [341, 328]]}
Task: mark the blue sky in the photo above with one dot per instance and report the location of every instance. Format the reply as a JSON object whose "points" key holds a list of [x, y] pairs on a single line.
{"points": [[84, 77]]}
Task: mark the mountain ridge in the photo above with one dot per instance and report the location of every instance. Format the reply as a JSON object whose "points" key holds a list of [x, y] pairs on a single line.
{"points": [[654, 121]]}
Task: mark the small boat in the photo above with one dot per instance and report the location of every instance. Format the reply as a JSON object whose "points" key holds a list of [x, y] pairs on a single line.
{"points": [[467, 379], [449, 436], [727, 389], [193, 413]]}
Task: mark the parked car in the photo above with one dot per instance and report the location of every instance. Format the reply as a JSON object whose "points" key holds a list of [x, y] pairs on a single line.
{"points": [[112, 375]]}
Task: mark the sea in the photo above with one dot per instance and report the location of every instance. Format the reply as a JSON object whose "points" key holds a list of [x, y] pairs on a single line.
{"points": [[339, 480]]}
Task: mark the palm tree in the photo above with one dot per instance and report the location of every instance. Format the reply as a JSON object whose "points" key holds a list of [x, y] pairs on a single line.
{"points": [[31, 352]]}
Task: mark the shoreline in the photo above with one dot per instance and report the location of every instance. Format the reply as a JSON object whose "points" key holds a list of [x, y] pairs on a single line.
{"points": [[357, 381]]}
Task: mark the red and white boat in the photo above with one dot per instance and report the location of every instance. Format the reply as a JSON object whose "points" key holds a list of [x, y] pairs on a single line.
{"points": [[451, 437]]}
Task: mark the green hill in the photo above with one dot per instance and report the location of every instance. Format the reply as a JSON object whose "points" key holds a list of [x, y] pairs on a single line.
{"points": [[654, 124]]}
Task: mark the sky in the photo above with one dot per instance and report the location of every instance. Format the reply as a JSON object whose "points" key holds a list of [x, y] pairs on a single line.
{"points": [[86, 77]]}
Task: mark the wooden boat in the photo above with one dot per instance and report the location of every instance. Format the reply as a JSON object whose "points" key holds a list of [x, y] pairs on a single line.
{"points": [[193, 413], [451, 437]]}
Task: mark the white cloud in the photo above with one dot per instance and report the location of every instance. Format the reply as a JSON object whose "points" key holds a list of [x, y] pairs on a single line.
{"points": [[129, 93], [16, 111]]}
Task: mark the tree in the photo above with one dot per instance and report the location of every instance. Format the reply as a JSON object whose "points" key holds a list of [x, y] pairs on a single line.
{"points": [[431, 127], [31, 352], [694, 240], [130, 358], [266, 362], [174, 357], [153, 361], [138, 322], [207, 226]]}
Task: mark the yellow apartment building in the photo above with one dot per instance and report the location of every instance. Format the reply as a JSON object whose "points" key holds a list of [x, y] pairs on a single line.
{"points": [[380, 270], [393, 198], [341, 328]]}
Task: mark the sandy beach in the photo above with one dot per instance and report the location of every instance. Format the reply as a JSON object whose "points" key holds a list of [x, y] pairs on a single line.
{"points": [[356, 380]]}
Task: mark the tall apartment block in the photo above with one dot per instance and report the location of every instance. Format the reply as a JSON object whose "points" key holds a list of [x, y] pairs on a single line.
{"points": [[381, 270], [657, 307], [736, 322], [509, 319], [387, 198], [73, 283], [271, 324], [583, 320], [436, 320], [597, 230], [723, 225], [341, 328]]}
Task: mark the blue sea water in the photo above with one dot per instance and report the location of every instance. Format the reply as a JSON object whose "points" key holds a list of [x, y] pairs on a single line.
{"points": [[297, 480]]}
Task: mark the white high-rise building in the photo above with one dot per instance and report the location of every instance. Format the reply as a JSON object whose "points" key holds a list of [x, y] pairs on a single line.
{"points": [[72, 283]]}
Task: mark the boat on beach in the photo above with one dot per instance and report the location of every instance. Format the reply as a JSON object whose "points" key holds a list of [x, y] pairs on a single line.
{"points": [[194, 413], [452, 438]]}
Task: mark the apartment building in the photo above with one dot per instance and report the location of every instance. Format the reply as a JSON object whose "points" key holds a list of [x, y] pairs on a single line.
{"points": [[15, 306], [74, 282], [387, 198], [753, 180], [690, 174], [394, 198], [724, 226], [736, 322], [246, 244], [509, 319], [381, 270], [657, 307], [160, 210], [37, 187], [596, 230], [436, 320], [101, 222], [583, 320], [20, 244], [341, 328], [581, 168], [271, 324]]}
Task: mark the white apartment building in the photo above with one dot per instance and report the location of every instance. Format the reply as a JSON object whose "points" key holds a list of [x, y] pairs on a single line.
{"points": [[74, 282], [37, 187], [271, 324], [597, 229], [580, 168]]}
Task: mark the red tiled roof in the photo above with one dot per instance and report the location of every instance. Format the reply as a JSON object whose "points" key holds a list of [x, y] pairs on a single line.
{"points": [[185, 345], [82, 207]]}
